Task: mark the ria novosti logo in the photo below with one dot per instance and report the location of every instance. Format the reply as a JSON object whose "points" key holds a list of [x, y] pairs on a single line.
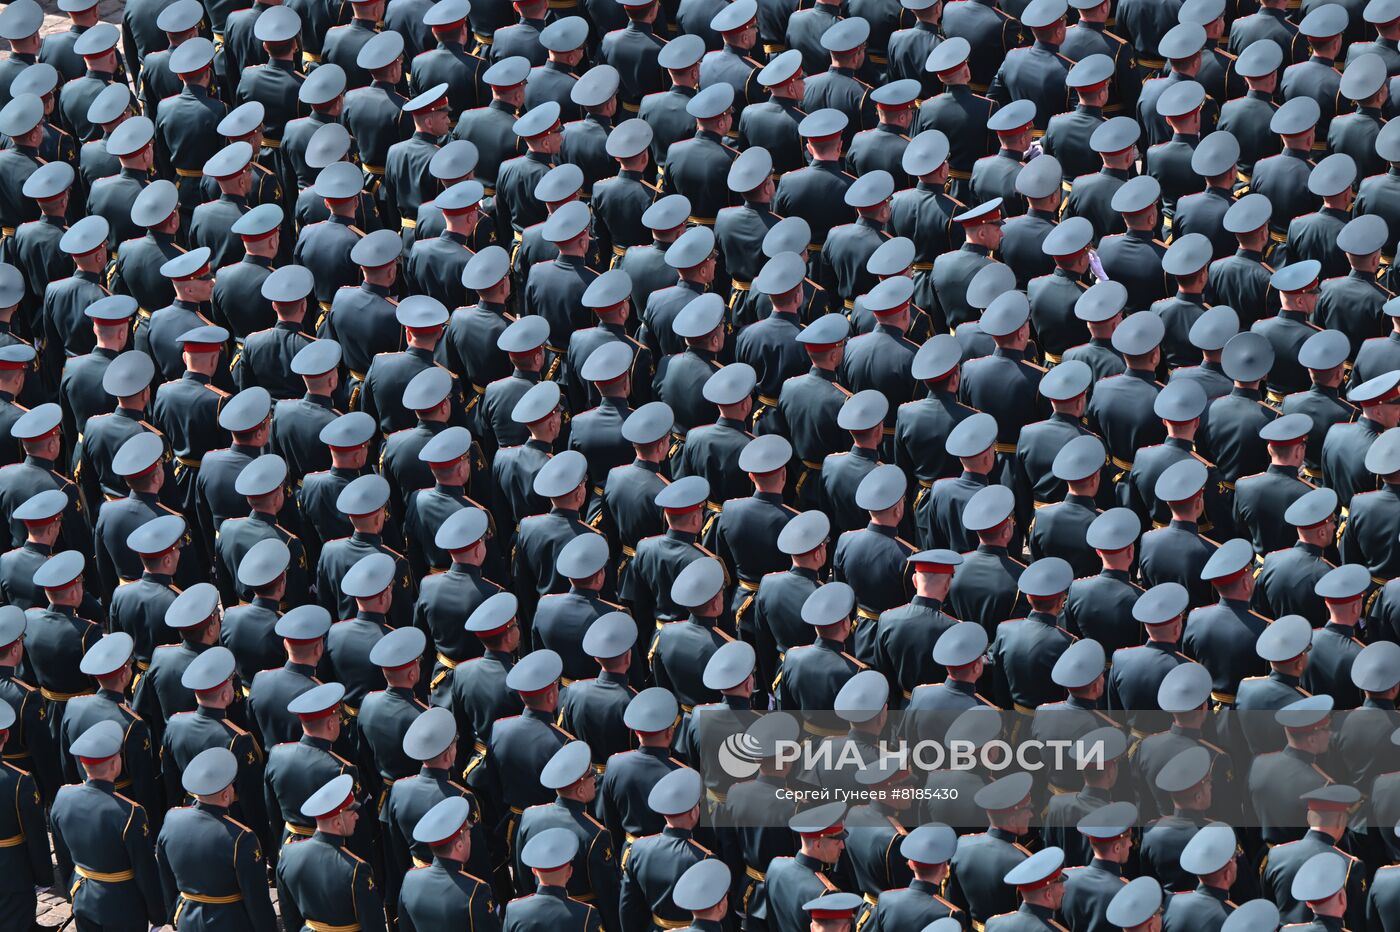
{"points": [[739, 755]]}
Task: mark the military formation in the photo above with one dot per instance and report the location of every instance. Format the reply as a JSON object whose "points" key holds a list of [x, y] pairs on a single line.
{"points": [[431, 432]]}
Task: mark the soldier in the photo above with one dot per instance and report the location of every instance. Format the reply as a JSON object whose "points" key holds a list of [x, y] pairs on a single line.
{"points": [[41, 516], [436, 264], [555, 289], [1285, 865], [562, 619], [1287, 577], [31, 863], [127, 379], [1035, 469], [1124, 433], [347, 437], [58, 635], [810, 677], [793, 881], [682, 648], [863, 416], [91, 825], [36, 251], [1345, 447], [462, 588], [1278, 782], [248, 628], [280, 359], [1357, 301], [1137, 906], [737, 30], [302, 631], [1136, 672], [1313, 236], [263, 483], [319, 874], [1323, 885], [1335, 647], [513, 469], [1088, 889], [193, 834], [874, 559], [777, 605], [1284, 645], [523, 743], [984, 859], [110, 663], [1091, 196], [666, 111], [362, 501], [442, 891], [1323, 356], [594, 709], [21, 30], [986, 587], [927, 851], [569, 773], [210, 677], [1067, 135], [550, 858], [552, 81], [195, 615], [1204, 211], [139, 605], [23, 118], [140, 462]]}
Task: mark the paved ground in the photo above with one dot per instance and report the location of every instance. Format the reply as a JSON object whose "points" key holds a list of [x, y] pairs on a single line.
{"points": [[54, 21]]}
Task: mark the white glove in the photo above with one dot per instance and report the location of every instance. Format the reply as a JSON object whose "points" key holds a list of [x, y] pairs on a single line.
{"points": [[1096, 266], [1034, 151]]}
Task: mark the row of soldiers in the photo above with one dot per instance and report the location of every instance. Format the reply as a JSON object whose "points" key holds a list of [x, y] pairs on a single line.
{"points": [[482, 428]]}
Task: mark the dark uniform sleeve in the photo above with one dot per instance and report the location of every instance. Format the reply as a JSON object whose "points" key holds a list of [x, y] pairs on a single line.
{"points": [[141, 765], [249, 782], [167, 875], [634, 911], [43, 756], [251, 869], [603, 879], [36, 837], [286, 903], [369, 907], [140, 849], [481, 911]]}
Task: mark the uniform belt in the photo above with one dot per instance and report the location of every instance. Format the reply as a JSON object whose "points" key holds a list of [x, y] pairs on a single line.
{"points": [[354, 712], [703, 221], [373, 169], [1001, 447], [14, 841], [773, 48], [315, 926], [619, 250], [814, 247], [1274, 397], [419, 862], [218, 37], [359, 376], [755, 874], [191, 461], [484, 40], [7, 231], [1121, 464], [867, 614], [872, 900], [1023, 709], [714, 796], [325, 306], [446, 661], [301, 831], [271, 143], [630, 107], [478, 747], [629, 551], [17, 755], [1278, 237], [308, 57], [922, 266], [959, 174], [212, 900], [1053, 358], [1151, 62], [748, 586], [848, 303], [925, 483], [765, 400], [977, 88], [1378, 580], [189, 173], [1311, 473], [822, 732], [1218, 696], [661, 923], [815, 467], [104, 876], [52, 696], [565, 5], [406, 224], [740, 285]]}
